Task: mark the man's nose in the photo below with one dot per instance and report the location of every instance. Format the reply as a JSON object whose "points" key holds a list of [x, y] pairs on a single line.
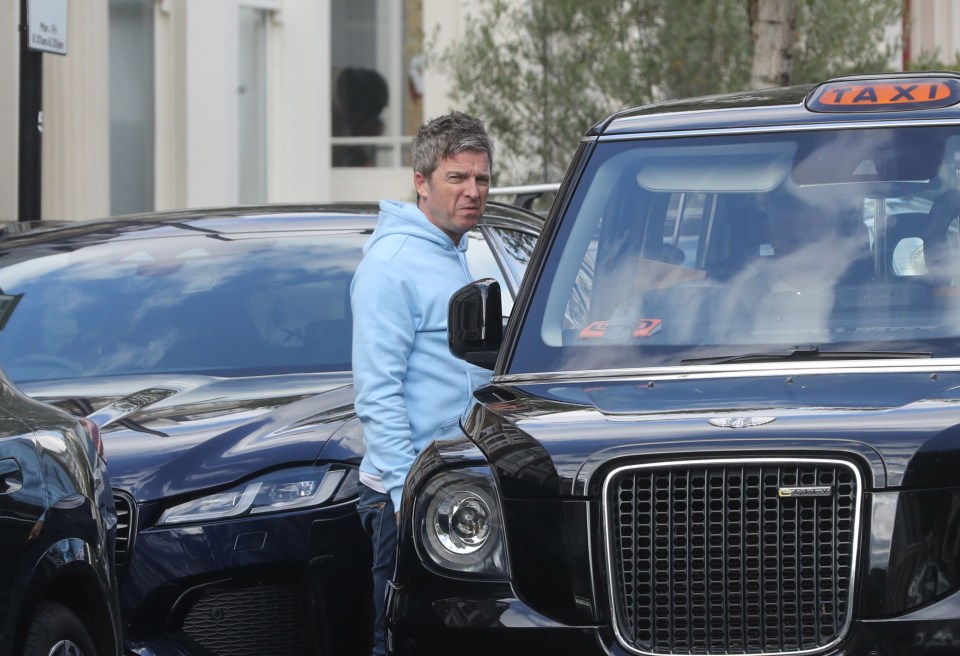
{"points": [[471, 188]]}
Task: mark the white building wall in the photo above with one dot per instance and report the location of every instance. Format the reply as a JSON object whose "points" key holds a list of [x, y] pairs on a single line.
{"points": [[211, 74], [196, 107], [170, 62], [444, 21], [196, 96], [196, 121], [935, 28], [75, 144], [76, 120], [299, 103]]}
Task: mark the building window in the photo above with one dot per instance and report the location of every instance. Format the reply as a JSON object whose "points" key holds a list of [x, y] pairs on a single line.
{"points": [[376, 82], [131, 106], [252, 105]]}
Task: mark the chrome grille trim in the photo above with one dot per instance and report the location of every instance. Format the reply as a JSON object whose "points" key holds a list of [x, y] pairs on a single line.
{"points": [[126, 509], [738, 370], [685, 590]]}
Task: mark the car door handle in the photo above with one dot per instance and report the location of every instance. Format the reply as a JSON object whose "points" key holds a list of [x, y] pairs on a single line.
{"points": [[11, 478]]}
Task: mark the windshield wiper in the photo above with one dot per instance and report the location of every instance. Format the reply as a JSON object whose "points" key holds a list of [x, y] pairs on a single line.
{"points": [[806, 352]]}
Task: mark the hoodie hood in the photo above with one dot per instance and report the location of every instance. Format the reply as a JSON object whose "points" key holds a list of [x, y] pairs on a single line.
{"points": [[398, 218]]}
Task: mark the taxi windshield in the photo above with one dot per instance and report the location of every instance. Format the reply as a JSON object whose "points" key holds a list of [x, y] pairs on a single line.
{"points": [[710, 248]]}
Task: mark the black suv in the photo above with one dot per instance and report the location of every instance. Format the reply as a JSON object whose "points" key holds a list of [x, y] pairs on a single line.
{"points": [[725, 413], [58, 590], [212, 349]]}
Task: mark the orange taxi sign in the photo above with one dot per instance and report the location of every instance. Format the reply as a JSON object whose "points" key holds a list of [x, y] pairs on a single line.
{"points": [[884, 95]]}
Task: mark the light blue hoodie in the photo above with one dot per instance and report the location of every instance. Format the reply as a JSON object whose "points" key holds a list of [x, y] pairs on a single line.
{"points": [[408, 384]]}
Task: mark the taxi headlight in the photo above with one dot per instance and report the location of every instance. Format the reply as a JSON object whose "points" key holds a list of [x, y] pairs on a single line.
{"points": [[459, 523]]}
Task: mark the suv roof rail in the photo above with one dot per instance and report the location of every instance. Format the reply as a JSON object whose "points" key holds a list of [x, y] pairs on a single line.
{"points": [[11, 228], [525, 195]]}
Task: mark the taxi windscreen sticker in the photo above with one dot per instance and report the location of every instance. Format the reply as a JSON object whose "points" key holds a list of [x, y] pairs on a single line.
{"points": [[597, 329], [884, 95]]}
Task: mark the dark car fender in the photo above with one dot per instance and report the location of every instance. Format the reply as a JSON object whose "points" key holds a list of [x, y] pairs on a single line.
{"points": [[66, 569]]}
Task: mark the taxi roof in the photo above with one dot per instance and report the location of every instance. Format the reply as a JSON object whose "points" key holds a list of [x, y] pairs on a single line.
{"points": [[790, 106]]}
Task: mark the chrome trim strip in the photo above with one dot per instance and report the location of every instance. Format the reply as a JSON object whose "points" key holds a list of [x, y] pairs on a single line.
{"points": [[775, 128], [524, 189], [594, 584], [626, 117], [608, 531], [704, 372]]}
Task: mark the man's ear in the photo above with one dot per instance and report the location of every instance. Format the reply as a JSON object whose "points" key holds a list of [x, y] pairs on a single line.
{"points": [[421, 184]]}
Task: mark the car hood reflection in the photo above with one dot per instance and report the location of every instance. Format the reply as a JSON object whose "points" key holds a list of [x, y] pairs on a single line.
{"points": [[165, 436]]}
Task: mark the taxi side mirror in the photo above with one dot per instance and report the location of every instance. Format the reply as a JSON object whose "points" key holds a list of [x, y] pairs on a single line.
{"points": [[475, 323]]}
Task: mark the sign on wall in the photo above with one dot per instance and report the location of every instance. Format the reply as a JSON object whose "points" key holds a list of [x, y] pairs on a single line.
{"points": [[47, 26]]}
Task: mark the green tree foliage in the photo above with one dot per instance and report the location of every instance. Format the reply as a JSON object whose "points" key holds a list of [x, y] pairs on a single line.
{"points": [[541, 72], [839, 37], [929, 60]]}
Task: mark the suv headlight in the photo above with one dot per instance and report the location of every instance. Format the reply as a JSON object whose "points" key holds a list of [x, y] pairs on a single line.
{"points": [[290, 489], [460, 525]]}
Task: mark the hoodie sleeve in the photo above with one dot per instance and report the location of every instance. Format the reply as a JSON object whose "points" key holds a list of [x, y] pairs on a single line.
{"points": [[384, 326]]}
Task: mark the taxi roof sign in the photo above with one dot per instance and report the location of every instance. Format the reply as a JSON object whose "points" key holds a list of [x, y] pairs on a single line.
{"points": [[884, 95]]}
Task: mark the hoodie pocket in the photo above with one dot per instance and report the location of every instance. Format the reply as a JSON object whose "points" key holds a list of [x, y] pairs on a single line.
{"points": [[448, 429], [476, 378]]}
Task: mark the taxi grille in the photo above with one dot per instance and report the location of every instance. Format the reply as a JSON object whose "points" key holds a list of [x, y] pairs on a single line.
{"points": [[732, 557]]}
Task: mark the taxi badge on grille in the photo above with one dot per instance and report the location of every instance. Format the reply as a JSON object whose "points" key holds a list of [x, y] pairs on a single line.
{"points": [[739, 422], [810, 491]]}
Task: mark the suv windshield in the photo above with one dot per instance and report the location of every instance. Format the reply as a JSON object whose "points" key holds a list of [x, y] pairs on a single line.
{"points": [[749, 246], [192, 304]]}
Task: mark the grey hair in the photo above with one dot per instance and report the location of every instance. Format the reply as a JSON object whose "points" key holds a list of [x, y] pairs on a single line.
{"points": [[446, 137]]}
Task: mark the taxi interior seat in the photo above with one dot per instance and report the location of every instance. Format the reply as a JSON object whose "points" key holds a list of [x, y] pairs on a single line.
{"points": [[886, 298], [737, 237], [903, 226]]}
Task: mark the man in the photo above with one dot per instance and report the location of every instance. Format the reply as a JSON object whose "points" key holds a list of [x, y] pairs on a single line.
{"points": [[409, 387], [813, 252], [817, 247]]}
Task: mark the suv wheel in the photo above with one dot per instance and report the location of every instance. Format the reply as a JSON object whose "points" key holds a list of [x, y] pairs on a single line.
{"points": [[56, 631]]}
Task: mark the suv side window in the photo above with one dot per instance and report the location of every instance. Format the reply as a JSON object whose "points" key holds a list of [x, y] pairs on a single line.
{"points": [[514, 246]]}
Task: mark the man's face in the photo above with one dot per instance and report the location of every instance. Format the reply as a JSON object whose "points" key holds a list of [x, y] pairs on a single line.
{"points": [[455, 194]]}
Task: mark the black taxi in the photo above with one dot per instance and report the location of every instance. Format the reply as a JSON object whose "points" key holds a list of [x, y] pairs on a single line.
{"points": [[724, 417]]}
